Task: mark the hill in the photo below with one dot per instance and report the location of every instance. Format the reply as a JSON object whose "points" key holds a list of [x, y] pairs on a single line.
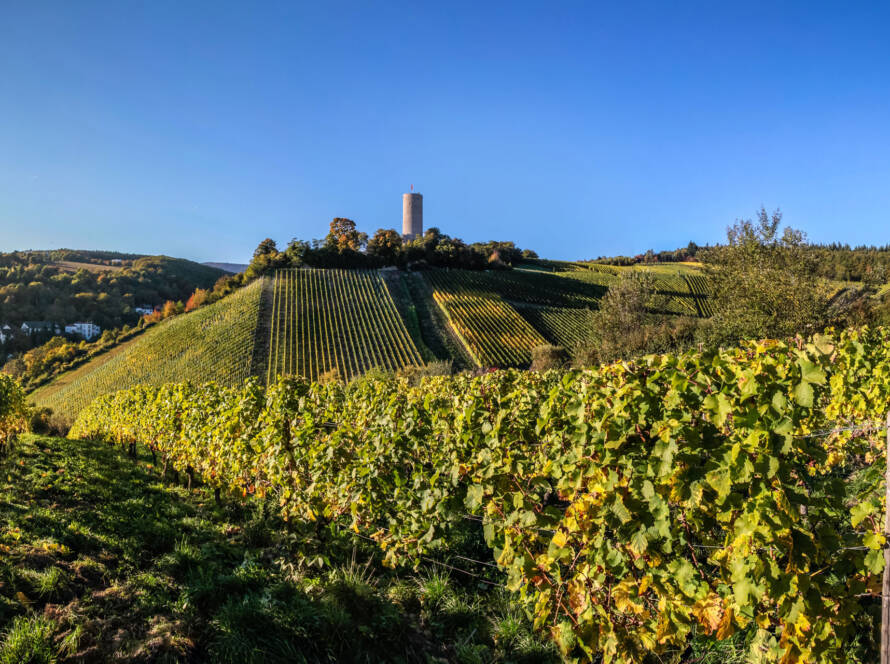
{"points": [[343, 323], [65, 287], [231, 268]]}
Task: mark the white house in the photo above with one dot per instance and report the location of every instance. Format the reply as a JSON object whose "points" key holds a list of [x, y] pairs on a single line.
{"points": [[36, 326], [5, 334], [144, 310], [86, 330]]}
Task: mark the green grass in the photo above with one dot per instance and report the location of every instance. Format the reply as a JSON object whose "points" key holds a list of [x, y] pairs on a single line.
{"points": [[101, 559]]}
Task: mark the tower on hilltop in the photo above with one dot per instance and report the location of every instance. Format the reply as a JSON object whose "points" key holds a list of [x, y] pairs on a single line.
{"points": [[412, 215]]}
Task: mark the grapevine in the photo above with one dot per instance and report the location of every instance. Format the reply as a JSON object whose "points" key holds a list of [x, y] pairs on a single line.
{"points": [[628, 505]]}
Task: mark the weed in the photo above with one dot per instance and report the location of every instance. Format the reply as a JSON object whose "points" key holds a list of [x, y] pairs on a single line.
{"points": [[51, 584], [434, 589], [28, 640]]}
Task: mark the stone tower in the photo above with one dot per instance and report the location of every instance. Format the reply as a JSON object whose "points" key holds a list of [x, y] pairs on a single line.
{"points": [[412, 216]]}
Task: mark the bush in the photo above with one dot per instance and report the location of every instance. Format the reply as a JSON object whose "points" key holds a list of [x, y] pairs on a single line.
{"points": [[39, 421], [416, 374], [13, 410], [332, 376], [546, 357]]}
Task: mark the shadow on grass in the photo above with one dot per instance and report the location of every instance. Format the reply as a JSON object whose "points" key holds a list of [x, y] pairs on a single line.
{"points": [[102, 560]]}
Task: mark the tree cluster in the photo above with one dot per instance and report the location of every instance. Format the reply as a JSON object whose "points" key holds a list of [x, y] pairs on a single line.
{"points": [[347, 247], [688, 253]]}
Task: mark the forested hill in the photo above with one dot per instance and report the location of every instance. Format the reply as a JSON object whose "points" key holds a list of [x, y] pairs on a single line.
{"points": [[103, 287]]}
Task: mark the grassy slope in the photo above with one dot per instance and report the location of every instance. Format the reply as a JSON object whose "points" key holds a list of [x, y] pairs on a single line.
{"points": [[102, 560], [74, 266], [46, 392], [213, 343]]}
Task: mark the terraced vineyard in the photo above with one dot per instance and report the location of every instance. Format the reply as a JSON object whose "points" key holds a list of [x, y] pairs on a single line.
{"points": [[493, 333], [563, 327], [343, 320], [214, 343]]}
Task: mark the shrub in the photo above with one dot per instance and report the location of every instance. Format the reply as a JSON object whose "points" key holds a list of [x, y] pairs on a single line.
{"points": [[13, 410], [546, 357]]}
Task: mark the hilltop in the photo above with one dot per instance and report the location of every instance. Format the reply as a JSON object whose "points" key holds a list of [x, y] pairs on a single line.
{"points": [[232, 268]]}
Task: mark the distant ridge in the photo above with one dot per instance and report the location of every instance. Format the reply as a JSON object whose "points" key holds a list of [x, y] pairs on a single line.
{"points": [[233, 268]]}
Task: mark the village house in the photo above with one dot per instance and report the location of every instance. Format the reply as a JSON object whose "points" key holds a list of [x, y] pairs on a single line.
{"points": [[86, 330], [30, 327]]}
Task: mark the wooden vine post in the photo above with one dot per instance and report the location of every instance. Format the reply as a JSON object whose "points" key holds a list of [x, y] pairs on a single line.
{"points": [[885, 588]]}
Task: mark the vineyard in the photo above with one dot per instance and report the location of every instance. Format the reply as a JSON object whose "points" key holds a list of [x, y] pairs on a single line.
{"points": [[494, 334], [629, 507], [335, 320], [214, 343], [541, 288], [701, 291], [563, 327], [678, 292], [342, 323]]}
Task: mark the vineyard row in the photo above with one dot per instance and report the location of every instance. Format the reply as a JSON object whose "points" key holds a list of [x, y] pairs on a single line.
{"points": [[629, 507]]}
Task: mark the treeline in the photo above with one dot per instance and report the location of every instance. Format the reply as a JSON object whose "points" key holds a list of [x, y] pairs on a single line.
{"points": [[347, 247], [841, 262], [74, 255], [688, 253]]}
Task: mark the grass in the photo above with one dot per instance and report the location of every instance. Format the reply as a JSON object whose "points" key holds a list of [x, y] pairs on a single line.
{"points": [[45, 392], [103, 560]]}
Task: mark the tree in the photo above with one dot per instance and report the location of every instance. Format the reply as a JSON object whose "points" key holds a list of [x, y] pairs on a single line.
{"points": [[196, 299], [386, 244], [344, 237], [296, 252], [265, 248], [764, 282], [169, 309], [620, 323]]}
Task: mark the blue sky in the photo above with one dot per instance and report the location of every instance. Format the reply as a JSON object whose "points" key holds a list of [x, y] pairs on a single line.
{"points": [[576, 129]]}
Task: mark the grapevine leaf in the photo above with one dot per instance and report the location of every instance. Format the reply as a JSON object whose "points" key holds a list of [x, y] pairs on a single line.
{"points": [[803, 394], [809, 372], [874, 561], [474, 496]]}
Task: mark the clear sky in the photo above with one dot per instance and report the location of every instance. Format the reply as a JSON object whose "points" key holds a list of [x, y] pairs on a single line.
{"points": [[576, 129]]}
